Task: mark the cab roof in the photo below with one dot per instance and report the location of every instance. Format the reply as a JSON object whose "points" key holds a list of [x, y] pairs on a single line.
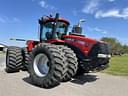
{"points": [[43, 21]]}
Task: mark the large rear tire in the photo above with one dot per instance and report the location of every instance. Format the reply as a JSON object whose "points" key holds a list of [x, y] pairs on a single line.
{"points": [[72, 63], [46, 65], [13, 59], [26, 56]]}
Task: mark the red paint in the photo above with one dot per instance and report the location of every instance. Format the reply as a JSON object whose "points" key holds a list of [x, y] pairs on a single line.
{"points": [[55, 41], [53, 20], [31, 44], [85, 46]]}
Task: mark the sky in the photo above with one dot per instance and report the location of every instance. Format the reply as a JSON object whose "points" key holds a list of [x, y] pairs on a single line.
{"points": [[104, 18]]}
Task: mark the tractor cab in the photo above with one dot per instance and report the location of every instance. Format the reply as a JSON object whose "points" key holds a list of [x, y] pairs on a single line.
{"points": [[52, 27]]}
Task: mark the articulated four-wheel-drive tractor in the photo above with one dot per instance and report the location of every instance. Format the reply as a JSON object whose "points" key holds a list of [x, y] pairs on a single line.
{"points": [[58, 55]]}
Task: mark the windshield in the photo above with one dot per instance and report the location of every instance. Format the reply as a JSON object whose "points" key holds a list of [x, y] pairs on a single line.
{"points": [[47, 30], [61, 27]]}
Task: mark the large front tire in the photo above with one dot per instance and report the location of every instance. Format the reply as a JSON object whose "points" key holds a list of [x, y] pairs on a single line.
{"points": [[72, 63], [46, 65], [13, 59]]}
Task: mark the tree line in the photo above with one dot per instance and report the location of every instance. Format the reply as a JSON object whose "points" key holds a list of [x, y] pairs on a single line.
{"points": [[116, 47]]}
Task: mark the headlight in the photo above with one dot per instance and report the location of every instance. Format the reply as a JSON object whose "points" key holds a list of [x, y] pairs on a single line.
{"points": [[104, 56]]}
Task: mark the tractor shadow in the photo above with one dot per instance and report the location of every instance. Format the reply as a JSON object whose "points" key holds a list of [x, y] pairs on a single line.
{"points": [[82, 79], [29, 81]]}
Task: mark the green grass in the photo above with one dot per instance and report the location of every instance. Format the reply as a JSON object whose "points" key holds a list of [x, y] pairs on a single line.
{"points": [[118, 66]]}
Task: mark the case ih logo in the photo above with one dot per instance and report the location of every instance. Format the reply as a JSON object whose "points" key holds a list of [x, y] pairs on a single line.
{"points": [[78, 41]]}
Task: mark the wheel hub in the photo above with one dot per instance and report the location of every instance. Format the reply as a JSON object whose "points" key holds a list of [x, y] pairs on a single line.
{"points": [[41, 65]]}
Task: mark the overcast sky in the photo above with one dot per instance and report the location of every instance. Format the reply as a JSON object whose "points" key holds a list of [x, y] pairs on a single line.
{"points": [[104, 18]]}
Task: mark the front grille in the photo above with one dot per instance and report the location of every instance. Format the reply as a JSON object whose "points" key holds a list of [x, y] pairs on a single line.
{"points": [[93, 62], [104, 48], [99, 48]]}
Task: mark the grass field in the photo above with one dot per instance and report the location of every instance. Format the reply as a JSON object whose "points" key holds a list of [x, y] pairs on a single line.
{"points": [[118, 66]]}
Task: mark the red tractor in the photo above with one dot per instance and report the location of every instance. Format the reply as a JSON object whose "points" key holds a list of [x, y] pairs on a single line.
{"points": [[58, 55]]}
